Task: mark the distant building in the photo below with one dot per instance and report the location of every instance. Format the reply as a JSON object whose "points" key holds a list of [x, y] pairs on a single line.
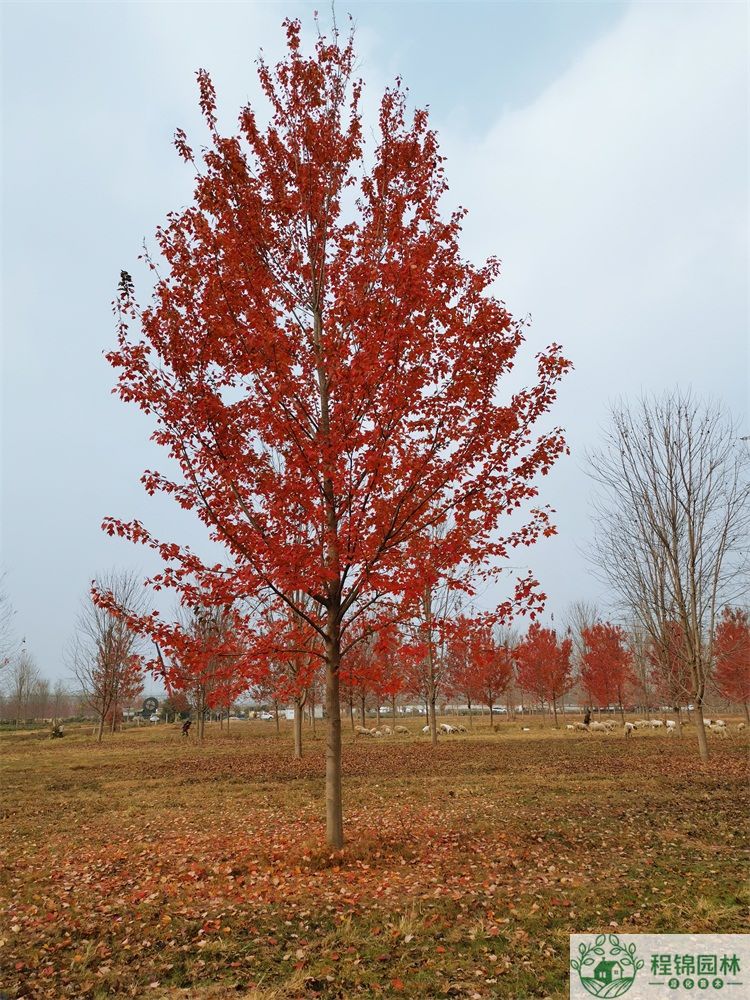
{"points": [[289, 713]]}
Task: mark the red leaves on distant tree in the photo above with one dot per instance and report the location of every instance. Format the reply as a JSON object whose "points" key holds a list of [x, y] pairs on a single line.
{"points": [[463, 673], [732, 657], [543, 665], [480, 668], [669, 657], [495, 671], [208, 658], [325, 367], [606, 664]]}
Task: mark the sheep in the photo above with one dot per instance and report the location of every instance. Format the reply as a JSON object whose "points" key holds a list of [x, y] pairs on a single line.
{"points": [[641, 724], [719, 727], [740, 727], [387, 731], [657, 724], [598, 727], [375, 732], [446, 728], [571, 727], [629, 728], [671, 727], [361, 731], [526, 729], [401, 730], [425, 729], [460, 729], [581, 726], [720, 723], [609, 725]]}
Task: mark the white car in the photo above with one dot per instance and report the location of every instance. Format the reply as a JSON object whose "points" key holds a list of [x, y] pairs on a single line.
{"points": [[154, 718], [266, 716]]}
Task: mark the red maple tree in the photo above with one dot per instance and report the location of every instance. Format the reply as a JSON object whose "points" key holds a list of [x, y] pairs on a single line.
{"points": [[668, 654], [495, 671], [325, 367], [606, 665], [479, 667], [732, 657], [543, 665], [463, 673]]}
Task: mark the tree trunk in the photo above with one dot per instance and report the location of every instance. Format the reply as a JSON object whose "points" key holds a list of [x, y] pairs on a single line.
{"points": [[747, 714], [101, 728], [433, 722], [393, 708], [471, 717], [362, 710], [334, 811], [701, 730], [377, 723], [491, 706], [297, 728], [351, 712], [554, 709], [276, 717]]}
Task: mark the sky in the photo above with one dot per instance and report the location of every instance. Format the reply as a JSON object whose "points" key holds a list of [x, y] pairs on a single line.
{"points": [[601, 150]]}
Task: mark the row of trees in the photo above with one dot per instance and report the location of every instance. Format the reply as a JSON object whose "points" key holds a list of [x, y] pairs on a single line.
{"points": [[601, 662], [26, 694], [604, 663]]}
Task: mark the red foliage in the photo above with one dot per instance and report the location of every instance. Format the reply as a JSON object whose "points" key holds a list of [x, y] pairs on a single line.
{"points": [[732, 652], [479, 668], [606, 665], [325, 367], [543, 664], [668, 657]]}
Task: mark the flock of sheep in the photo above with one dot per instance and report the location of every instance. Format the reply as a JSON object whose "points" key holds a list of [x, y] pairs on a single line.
{"points": [[444, 727], [383, 731], [717, 726]]}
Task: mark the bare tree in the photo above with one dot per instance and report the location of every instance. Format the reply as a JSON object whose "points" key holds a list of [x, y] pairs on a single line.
{"points": [[60, 701], [672, 512], [437, 605], [39, 703], [642, 668], [6, 625], [104, 654], [22, 678]]}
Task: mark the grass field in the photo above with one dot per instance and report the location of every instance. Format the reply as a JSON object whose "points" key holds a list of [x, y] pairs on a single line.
{"points": [[153, 867]]}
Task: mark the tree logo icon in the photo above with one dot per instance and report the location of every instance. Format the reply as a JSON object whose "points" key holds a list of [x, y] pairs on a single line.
{"points": [[606, 968]]}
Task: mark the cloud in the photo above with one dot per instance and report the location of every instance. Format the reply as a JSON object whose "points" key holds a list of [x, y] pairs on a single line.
{"points": [[618, 203]]}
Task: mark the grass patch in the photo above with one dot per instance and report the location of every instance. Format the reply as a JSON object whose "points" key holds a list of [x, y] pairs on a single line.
{"points": [[152, 866]]}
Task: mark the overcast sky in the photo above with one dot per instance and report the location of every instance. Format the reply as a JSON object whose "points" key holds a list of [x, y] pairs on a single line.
{"points": [[601, 150]]}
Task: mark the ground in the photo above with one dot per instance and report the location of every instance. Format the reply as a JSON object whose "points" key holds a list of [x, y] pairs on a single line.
{"points": [[156, 867]]}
